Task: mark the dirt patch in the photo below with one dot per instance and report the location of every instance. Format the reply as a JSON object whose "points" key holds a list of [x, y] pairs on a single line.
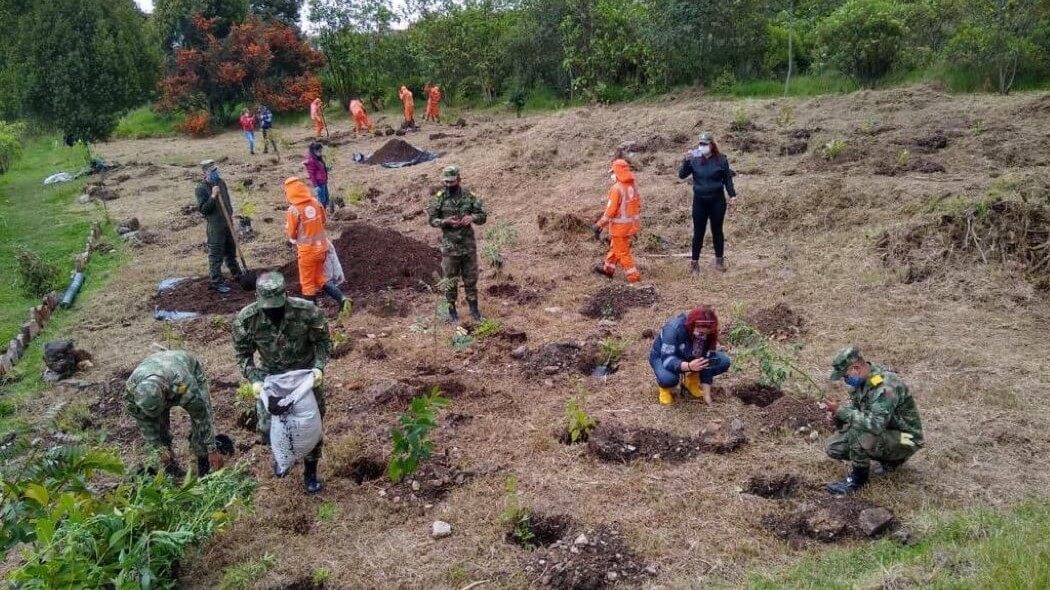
{"points": [[373, 350], [756, 394], [919, 165], [772, 486], [612, 301], [303, 583], [794, 147], [394, 150], [596, 559], [565, 224], [557, 357], [196, 295], [618, 444], [779, 322], [401, 393], [826, 519], [298, 522], [794, 413], [931, 142], [747, 142], [432, 482], [363, 470], [539, 530], [514, 292]]}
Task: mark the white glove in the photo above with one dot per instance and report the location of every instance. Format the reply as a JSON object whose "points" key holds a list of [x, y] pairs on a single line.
{"points": [[906, 440], [257, 388], [318, 377]]}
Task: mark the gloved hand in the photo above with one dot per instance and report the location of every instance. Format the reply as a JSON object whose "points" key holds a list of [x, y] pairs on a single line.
{"points": [[906, 440], [597, 232], [318, 377], [257, 388]]}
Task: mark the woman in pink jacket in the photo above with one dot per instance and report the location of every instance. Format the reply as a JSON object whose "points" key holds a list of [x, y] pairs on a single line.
{"points": [[317, 170]]}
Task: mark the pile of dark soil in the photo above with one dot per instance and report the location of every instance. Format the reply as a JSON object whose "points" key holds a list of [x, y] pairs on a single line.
{"points": [[596, 559], [556, 357], [779, 322], [394, 150], [513, 292], [754, 393], [375, 260], [791, 413], [830, 518], [539, 530], [618, 444], [566, 224], [932, 142], [612, 301], [772, 485], [401, 393]]}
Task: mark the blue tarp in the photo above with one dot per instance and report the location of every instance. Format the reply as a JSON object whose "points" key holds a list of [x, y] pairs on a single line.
{"points": [[423, 157]]}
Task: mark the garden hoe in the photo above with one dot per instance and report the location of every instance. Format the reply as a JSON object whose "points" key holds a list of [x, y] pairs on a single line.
{"points": [[248, 277]]}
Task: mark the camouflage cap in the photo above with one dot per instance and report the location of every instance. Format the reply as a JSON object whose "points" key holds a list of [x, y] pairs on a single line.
{"points": [[270, 290], [450, 173], [842, 361], [149, 397], [706, 137], [208, 165]]}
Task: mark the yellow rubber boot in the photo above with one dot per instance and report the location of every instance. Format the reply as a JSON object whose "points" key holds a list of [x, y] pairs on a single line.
{"points": [[666, 396], [692, 383]]}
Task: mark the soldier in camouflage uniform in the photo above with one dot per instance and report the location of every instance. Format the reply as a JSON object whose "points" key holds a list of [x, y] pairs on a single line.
{"points": [[454, 209], [162, 381], [212, 194], [288, 333], [880, 422]]}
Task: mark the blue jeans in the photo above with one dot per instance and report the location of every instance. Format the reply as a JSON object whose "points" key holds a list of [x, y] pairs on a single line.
{"points": [[250, 136], [669, 378], [321, 191]]}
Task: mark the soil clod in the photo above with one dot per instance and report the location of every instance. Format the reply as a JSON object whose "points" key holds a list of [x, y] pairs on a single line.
{"points": [[612, 301], [603, 560], [617, 444], [830, 518], [773, 486]]}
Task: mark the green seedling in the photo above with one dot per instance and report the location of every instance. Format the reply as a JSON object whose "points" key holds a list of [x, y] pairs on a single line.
{"points": [[412, 444]]}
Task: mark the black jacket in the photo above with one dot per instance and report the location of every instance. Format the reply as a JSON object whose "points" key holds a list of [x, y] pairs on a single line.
{"points": [[710, 175]]}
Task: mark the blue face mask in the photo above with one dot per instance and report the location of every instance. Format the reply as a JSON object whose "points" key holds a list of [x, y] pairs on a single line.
{"points": [[853, 381], [214, 176]]}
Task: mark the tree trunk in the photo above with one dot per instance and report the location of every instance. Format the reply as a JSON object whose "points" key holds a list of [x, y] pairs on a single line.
{"points": [[791, 49]]}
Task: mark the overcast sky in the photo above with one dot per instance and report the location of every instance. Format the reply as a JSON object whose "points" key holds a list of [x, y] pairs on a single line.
{"points": [[146, 5]]}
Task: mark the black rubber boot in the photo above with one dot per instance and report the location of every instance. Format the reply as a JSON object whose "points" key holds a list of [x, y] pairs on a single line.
{"points": [[221, 288], [887, 467], [854, 481], [475, 313], [202, 466], [453, 317], [310, 481], [694, 267]]}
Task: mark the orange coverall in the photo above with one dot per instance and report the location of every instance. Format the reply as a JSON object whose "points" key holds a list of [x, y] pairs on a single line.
{"points": [[304, 225], [621, 218], [433, 104], [316, 110], [361, 120], [410, 106]]}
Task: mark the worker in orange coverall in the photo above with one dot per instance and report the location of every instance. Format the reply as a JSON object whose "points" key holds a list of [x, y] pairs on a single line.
{"points": [[361, 120], [621, 219], [434, 97], [317, 116], [410, 106], [304, 225]]}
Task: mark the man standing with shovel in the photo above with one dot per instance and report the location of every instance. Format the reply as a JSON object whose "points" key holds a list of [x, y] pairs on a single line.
{"points": [[213, 201]]}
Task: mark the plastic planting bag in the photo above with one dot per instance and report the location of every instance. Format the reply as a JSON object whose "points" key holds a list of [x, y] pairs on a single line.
{"points": [[295, 421], [333, 269]]}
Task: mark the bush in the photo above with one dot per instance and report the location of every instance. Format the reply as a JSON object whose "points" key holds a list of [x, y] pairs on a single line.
{"points": [[144, 122], [10, 143], [196, 124], [863, 38], [36, 276]]}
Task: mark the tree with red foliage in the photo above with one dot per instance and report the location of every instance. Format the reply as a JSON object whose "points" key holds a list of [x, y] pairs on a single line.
{"points": [[257, 62]]}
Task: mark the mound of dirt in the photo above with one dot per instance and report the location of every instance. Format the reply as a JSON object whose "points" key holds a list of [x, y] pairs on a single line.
{"points": [[514, 292], [612, 301], [919, 165], [779, 322], [830, 518], [362, 470], [432, 482], [401, 393], [618, 444], [539, 530], [773, 486], [566, 224], [374, 259], [932, 142], [596, 559], [792, 413], [394, 150], [756, 394], [556, 357]]}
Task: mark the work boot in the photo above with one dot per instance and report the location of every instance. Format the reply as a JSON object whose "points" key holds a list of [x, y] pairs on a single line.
{"points": [[600, 269], [475, 313], [310, 481], [691, 382], [666, 396], [887, 467], [854, 481], [202, 466], [221, 288], [720, 264], [453, 317], [694, 267]]}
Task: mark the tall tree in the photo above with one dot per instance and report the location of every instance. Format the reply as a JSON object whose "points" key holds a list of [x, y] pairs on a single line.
{"points": [[286, 11], [173, 19]]}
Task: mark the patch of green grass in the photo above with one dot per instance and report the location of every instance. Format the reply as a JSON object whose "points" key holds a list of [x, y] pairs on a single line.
{"points": [[978, 548], [144, 122], [809, 85], [247, 572]]}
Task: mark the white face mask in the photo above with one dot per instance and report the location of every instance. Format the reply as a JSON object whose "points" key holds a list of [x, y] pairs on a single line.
{"points": [[704, 150], [612, 177]]}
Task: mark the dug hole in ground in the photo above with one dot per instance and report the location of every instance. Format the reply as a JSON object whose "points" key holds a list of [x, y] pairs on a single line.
{"points": [[856, 248]]}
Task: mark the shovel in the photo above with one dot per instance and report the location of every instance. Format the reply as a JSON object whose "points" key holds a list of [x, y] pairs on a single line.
{"points": [[248, 277]]}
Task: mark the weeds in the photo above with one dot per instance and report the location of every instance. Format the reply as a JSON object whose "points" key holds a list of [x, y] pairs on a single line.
{"points": [[355, 196], [515, 516], [410, 438], [833, 149], [610, 350], [173, 339], [326, 512], [36, 275], [785, 116], [578, 424], [903, 158], [869, 126], [488, 327], [321, 576], [462, 339], [774, 364], [246, 573], [501, 236], [741, 120]]}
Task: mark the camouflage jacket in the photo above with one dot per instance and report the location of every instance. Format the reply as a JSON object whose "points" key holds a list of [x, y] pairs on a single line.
{"points": [[456, 241], [301, 340], [882, 403], [209, 207], [184, 385]]}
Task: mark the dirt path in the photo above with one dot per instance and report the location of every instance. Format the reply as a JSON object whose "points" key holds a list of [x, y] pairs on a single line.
{"points": [[969, 339]]}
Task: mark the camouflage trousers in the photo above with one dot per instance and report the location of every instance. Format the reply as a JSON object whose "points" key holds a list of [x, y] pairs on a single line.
{"points": [[157, 430], [262, 425], [455, 267], [860, 447]]}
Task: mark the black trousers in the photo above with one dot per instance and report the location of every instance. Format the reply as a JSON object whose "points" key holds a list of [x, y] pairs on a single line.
{"points": [[709, 208]]}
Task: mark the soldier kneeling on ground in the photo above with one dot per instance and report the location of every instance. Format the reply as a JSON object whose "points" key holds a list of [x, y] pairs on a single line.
{"points": [[880, 423], [160, 382]]}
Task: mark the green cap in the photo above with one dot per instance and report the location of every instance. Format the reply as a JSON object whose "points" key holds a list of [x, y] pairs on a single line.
{"points": [[149, 397], [846, 357], [450, 173], [270, 290], [706, 137]]}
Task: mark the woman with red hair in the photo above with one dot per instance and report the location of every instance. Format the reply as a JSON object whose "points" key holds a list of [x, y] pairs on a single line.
{"points": [[686, 351]]}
